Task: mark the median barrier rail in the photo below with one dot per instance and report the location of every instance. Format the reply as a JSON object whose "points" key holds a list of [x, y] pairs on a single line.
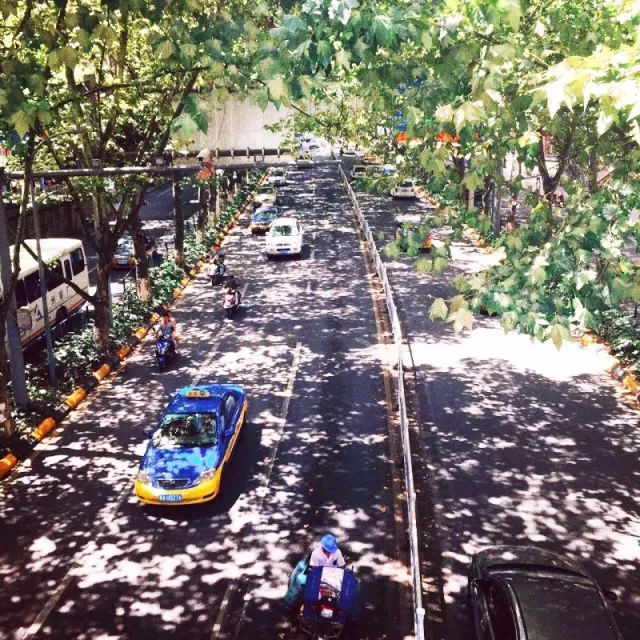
{"points": [[396, 330]]}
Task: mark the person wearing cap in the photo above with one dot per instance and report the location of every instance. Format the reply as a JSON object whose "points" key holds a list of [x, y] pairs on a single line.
{"points": [[327, 553]]}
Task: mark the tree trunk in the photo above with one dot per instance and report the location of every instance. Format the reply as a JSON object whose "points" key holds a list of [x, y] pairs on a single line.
{"points": [[459, 164], [593, 171], [203, 207], [102, 319], [143, 281], [213, 205], [6, 419], [178, 219]]}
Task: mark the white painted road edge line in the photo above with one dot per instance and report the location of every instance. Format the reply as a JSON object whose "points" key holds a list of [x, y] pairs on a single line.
{"points": [[107, 519], [284, 410]]}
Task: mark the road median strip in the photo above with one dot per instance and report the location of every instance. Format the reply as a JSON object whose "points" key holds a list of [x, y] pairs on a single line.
{"points": [[94, 378]]}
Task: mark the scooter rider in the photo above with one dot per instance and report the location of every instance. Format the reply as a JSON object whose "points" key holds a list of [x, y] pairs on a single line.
{"points": [[327, 553], [232, 289], [216, 268], [168, 328]]}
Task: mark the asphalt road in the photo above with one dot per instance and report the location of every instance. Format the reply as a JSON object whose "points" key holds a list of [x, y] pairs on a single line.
{"points": [[82, 559], [514, 443]]}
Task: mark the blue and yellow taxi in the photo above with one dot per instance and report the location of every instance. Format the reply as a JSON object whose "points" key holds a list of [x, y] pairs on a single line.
{"points": [[187, 451]]}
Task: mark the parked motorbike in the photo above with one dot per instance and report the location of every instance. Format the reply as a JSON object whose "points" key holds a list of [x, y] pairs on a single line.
{"points": [[327, 598], [231, 301], [165, 351]]}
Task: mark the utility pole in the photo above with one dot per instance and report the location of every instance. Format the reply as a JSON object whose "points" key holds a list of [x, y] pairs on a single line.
{"points": [[51, 361], [14, 343]]}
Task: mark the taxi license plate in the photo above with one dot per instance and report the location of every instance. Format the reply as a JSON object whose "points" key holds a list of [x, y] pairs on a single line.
{"points": [[170, 497]]}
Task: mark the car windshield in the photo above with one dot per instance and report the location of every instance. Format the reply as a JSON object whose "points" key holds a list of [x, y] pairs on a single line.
{"points": [[186, 430], [283, 230], [277, 173], [407, 183], [265, 189]]}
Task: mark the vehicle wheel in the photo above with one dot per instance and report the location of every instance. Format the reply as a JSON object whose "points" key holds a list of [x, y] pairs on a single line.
{"points": [[61, 314]]}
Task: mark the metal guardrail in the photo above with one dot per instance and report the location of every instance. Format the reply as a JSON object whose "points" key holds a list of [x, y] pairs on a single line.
{"points": [[396, 328]]}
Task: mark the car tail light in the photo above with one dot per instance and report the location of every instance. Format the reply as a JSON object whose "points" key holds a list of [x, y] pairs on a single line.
{"points": [[326, 612]]}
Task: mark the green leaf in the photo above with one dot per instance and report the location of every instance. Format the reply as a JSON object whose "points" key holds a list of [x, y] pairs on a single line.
{"points": [[584, 277], [440, 264], [457, 302], [68, 57], [382, 30], [462, 319], [557, 333], [538, 275], [21, 122], [277, 88], [343, 58], [165, 49], [509, 320], [514, 12], [426, 40], [438, 310]]}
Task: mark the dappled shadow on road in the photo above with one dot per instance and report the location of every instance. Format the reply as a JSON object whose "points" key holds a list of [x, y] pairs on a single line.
{"points": [[526, 444], [142, 572], [525, 457]]}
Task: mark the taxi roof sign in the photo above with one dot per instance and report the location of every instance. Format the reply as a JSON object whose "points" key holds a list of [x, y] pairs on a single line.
{"points": [[197, 393]]}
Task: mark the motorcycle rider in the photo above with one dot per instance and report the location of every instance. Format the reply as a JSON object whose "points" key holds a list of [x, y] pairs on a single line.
{"points": [[216, 268], [327, 553], [168, 328], [232, 289]]}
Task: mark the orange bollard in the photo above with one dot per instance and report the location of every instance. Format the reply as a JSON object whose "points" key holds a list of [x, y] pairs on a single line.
{"points": [[140, 332], [7, 463], [75, 398], [47, 425], [102, 372], [123, 351]]}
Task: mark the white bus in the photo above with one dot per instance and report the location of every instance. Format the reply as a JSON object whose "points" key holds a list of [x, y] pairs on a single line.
{"points": [[65, 257]]}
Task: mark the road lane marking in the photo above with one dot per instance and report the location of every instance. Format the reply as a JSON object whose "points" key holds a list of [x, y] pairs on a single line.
{"points": [[282, 419], [205, 365], [35, 626]]}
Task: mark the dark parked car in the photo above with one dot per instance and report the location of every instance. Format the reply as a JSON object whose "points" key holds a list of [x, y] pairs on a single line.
{"points": [[526, 593]]}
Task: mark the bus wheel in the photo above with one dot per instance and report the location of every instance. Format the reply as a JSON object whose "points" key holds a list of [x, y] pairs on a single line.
{"points": [[61, 315]]}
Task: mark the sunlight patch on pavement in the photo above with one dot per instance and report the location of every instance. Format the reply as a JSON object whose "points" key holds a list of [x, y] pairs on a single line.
{"points": [[517, 350]]}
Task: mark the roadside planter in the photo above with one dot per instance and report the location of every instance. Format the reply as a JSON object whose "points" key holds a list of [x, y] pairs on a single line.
{"points": [[168, 282]]}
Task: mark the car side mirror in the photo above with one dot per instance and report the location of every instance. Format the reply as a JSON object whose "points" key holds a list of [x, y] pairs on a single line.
{"points": [[147, 432]]}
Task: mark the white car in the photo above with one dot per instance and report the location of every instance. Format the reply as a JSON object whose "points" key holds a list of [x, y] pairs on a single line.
{"points": [[264, 195], [277, 177], [359, 171], [405, 189], [284, 238]]}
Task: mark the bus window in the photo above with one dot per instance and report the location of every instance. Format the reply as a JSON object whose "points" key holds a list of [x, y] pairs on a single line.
{"points": [[54, 276], [32, 286], [77, 261], [67, 270], [21, 295]]}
